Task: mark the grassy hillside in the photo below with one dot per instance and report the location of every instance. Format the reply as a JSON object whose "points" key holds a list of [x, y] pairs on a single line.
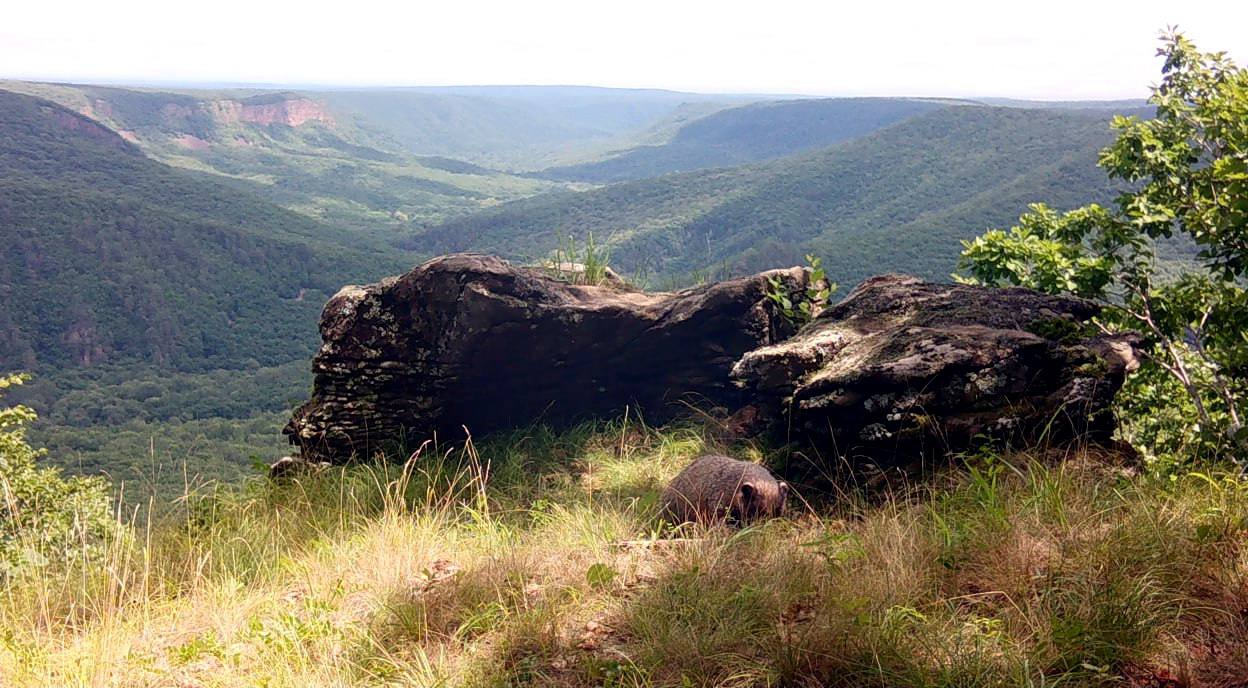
{"points": [[898, 199], [294, 149], [749, 133], [539, 562]]}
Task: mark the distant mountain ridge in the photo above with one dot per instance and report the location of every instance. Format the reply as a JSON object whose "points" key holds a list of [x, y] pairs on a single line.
{"points": [[295, 149], [516, 128], [748, 133], [898, 199], [1121, 104]]}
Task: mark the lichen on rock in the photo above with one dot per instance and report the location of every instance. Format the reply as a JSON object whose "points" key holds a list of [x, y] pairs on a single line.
{"points": [[919, 369]]}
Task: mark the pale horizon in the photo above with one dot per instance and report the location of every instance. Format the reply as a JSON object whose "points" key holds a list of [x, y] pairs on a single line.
{"points": [[1064, 51]]}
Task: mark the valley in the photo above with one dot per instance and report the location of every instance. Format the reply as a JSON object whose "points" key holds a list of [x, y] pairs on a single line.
{"points": [[821, 345], [173, 248], [294, 150], [917, 187]]}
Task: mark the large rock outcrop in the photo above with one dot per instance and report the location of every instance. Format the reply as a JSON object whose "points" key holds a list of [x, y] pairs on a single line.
{"points": [[472, 341], [903, 369], [898, 371]]}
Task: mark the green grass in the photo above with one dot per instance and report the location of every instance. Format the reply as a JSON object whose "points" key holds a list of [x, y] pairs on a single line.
{"points": [[536, 559]]}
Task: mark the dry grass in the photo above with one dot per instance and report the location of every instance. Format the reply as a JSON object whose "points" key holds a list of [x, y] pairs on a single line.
{"points": [[539, 562]]}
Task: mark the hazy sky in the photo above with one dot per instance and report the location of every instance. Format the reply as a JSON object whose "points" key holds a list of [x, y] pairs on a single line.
{"points": [[1039, 49]]}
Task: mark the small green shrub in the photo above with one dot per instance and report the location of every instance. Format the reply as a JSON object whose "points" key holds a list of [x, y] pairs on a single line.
{"points": [[802, 308], [589, 266], [1187, 177], [48, 519]]}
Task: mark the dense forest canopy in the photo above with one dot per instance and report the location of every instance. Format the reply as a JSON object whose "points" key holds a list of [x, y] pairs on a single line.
{"points": [[749, 133]]}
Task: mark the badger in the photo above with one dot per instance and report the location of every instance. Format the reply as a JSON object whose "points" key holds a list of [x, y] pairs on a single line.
{"points": [[717, 489]]}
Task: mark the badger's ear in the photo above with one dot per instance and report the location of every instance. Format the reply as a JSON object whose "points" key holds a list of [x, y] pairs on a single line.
{"points": [[784, 489], [747, 492]]}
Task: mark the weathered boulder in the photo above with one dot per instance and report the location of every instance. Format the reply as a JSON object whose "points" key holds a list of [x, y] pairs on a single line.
{"points": [[903, 369], [472, 341]]}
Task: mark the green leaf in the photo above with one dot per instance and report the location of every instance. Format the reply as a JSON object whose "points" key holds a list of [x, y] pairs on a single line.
{"points": [[600, 576]]}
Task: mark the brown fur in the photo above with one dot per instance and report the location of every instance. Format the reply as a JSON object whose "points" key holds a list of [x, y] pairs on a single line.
{"points": [[717, 489]]}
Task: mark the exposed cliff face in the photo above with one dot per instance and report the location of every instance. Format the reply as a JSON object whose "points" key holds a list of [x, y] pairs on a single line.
{"points": [[195, 124], [292, 112], [85, 127], [192, 142]]}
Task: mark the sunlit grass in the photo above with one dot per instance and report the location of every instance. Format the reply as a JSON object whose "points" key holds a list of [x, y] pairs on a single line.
{"points": [[536, 559]]}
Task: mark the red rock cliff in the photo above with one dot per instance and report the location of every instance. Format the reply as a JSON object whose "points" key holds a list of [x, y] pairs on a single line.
{"points": [[292, 112]]}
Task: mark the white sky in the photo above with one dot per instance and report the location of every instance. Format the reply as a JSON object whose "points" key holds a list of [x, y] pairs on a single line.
{"points": [[1036, 49]]}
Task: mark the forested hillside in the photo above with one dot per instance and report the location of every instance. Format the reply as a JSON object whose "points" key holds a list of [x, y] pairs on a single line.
{"points": [[749, 133], [110, 255], [899, 199], [167, 315], [295, 149]]}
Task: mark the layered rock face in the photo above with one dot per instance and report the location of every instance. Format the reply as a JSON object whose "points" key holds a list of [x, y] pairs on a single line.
{"points": [[288, 111], [291, 112], [903, 369], [472, 341]]}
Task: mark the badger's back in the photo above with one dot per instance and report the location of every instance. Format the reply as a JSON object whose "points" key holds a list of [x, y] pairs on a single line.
{"points": [[714, 488]]}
